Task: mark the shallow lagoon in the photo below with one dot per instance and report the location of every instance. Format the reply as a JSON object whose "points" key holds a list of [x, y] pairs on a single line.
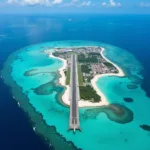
{"points": [[101, 132]]}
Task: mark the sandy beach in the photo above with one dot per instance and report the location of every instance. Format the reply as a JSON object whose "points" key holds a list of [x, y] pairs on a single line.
{"points": [[62, 79], [82, 103], [120, 73]]}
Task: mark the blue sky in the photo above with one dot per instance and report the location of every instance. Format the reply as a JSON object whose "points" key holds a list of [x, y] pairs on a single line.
{"points": [[98, 6]]}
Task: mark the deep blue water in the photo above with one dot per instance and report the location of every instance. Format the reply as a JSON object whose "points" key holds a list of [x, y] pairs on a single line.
{"points": [[130, 32]]}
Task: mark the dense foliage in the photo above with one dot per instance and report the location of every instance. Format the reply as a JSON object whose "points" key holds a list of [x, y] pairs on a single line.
{"points": [[108, 64], [87, 59], [68, 76], [95, 54], [88, 93], [85, 69], [57, 54]]}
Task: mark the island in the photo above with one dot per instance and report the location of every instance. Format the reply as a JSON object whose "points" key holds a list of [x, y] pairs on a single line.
{"points": [[91, 65]]}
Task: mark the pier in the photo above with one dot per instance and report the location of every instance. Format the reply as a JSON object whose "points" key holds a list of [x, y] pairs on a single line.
{"points": [[74, 123]]}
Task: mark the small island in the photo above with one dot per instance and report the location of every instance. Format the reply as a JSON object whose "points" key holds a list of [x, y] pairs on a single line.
{"points": [[82, 67], [90, 62]]}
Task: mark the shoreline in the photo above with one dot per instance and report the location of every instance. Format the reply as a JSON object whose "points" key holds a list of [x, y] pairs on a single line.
{"points": [[82, 103], [62, 79], [120, 73]]}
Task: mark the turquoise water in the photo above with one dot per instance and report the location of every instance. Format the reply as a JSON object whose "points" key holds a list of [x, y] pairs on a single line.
{"points": [[100, 132]]}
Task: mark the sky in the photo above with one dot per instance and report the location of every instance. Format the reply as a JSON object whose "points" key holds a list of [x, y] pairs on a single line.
{"points": [[75, 6]]}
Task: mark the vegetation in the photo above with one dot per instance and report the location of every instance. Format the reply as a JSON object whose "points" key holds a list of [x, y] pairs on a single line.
{"points": [[57, 54], [89, 79], [85, 68], [108, 64], [87, 59], [67, 73], [116, 71], [80, 77], [95, 54], [88, 93]]}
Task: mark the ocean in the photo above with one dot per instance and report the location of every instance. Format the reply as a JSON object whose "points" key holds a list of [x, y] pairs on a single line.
{"points": [[129, 32]]}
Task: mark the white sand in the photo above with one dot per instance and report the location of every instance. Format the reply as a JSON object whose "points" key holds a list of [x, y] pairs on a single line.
{"points": [[62, 79], [120, 73], [82, 103]]}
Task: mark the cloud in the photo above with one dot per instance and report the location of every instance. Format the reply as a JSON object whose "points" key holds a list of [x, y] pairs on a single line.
{"points": [[104, 4], [12, 1], [77, 3], [85, 3], [111, 3], [35, 2], [142, 4], [57, 1]]}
